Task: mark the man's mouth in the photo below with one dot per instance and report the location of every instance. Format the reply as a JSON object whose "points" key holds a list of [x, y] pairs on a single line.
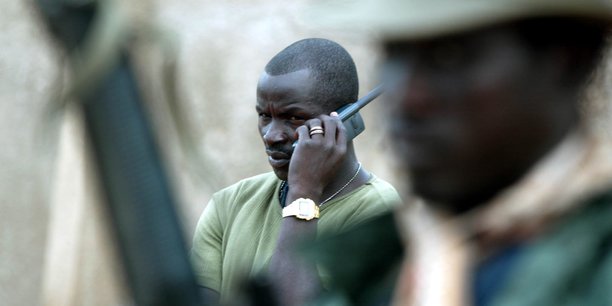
{"points": [[278, 159]]}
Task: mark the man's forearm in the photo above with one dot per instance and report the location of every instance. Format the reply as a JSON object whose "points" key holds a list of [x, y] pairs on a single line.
{"points": [[295, 281]]}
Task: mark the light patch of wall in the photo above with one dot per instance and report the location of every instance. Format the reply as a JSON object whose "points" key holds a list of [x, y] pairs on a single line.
{"points": [[27, 71]]}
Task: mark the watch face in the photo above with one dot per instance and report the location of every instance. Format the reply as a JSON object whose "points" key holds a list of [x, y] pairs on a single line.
{"points": [[306, 210]]}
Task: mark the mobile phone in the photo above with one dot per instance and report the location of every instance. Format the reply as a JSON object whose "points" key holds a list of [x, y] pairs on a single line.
{"points": [[349, 113], [354, 124]]}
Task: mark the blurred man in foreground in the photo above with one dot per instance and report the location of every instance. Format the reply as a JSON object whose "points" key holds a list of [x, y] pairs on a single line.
{"points": [[514, 191], [316, 187]]}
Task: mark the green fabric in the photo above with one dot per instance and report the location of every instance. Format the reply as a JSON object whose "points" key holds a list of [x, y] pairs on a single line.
{"points": [[236, 234], [367, 275], [570, 265]]}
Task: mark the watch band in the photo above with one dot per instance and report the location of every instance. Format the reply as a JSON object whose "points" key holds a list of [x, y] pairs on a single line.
{"points": [[304, 209]]}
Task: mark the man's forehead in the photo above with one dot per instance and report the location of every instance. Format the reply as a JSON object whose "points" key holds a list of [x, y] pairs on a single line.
{"points": [[284, 81], [294, 84]]}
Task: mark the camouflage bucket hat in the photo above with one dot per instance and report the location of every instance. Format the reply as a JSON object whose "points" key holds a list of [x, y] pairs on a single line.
{"points": [[414, 19]]}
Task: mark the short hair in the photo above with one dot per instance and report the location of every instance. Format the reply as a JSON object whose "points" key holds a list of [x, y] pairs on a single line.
{"points": [[331, 65]]}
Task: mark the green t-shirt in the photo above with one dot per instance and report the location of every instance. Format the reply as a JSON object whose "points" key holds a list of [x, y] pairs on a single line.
{"points": [[237, 232]]}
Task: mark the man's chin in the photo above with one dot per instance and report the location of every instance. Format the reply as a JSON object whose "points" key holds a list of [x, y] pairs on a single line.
{"points": [[282, 174]]}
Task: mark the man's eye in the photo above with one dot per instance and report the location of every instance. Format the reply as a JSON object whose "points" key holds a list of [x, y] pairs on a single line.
{"points": [[296, 118], [263, 116]]}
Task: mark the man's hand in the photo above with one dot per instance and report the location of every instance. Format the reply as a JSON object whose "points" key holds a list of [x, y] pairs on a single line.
{"points": [[320, 149]]}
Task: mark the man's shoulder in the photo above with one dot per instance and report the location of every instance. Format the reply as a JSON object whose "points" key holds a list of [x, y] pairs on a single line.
{"points": [[371, 199], [574, 254], [250, 185], [246, 190], [383, 191]]}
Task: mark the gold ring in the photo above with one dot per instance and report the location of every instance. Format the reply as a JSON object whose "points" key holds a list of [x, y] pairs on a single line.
{"points": [[313, 132]]}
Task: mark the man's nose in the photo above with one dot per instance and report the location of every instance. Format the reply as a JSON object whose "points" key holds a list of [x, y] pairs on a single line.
{"points": [[274, 133]]}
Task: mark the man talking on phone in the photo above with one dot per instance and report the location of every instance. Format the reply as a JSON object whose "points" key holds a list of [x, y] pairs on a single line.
{"points": [[317, 185]]}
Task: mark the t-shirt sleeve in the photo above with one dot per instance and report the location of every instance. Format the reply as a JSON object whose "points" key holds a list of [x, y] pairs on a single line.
{"points": [[206, 252]]}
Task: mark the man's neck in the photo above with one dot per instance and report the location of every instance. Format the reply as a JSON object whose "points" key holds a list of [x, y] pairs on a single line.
{"points": [[350, 174]]}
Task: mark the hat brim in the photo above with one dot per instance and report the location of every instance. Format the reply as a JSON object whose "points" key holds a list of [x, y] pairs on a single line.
{"points": [[409, 20]]}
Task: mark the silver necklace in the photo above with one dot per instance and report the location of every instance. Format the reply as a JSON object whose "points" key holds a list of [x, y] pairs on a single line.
{"points": [[345, 185], [282, 192]]}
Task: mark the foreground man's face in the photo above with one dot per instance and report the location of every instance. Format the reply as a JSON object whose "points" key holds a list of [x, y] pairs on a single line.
{"points": [[469, 113], [284, 102]]}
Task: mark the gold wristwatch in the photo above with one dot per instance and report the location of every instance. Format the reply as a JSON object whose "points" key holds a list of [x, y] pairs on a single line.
{"points": [[304, 209]]}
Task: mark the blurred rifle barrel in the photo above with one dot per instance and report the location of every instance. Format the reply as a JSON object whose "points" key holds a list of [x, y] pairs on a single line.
{"points": [[138, 197]]}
